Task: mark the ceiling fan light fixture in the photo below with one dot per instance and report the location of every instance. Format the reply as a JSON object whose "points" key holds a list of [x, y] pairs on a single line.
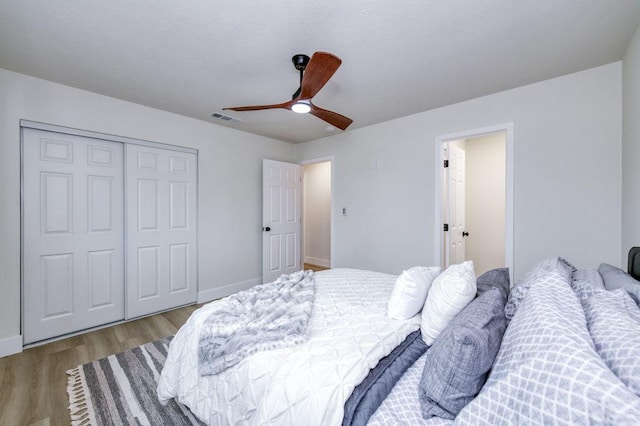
{"points": [[301, 107]]}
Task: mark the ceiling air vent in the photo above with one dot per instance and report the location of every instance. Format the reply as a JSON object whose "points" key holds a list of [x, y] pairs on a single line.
{"points": [[226, 118]]}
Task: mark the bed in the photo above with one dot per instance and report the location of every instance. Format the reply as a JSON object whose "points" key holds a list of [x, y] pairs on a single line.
{"points": [[558, 362], [349, 332]]}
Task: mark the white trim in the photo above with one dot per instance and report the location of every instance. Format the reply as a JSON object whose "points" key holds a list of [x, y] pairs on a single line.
{"points": [[205, 296], [10, 345], [100, 327], [332, 160], [318, 160], [508, 128], [102, 136], [317, 261], [79, 332]]}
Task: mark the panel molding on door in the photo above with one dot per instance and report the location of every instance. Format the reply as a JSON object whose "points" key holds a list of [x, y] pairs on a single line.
{"points": [[161, 243], [456, 205], [281, 204], [73, 233]]}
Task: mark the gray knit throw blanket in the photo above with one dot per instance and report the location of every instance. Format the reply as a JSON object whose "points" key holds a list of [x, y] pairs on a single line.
{"points": [[267, 316]]}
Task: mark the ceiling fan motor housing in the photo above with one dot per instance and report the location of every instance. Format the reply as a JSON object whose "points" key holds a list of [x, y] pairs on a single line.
{"points": [[300, 61]]}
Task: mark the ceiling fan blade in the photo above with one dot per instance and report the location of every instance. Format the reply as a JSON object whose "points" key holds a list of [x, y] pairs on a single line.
{"points": [[321, 67], [333, 118], [286, 105]]}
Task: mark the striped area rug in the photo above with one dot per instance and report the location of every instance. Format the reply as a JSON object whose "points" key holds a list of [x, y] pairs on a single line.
{"points": [[121, 390]]}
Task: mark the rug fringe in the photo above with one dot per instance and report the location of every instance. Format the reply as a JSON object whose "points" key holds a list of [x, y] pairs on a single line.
{"points": [[80, 408]]}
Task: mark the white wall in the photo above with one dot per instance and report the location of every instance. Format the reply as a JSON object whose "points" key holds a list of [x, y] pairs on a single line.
{"points": [[567, 160], [317, 213], [631, 146], [230, 175], [485, 201]]}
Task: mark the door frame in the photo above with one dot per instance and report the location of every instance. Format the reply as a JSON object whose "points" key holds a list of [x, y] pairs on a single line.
{"points": [[332, 160], [508, 128]]}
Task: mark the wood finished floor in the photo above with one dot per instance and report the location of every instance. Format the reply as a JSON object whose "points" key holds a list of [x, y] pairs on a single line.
{"points": [[33, 384], [313, 267]]}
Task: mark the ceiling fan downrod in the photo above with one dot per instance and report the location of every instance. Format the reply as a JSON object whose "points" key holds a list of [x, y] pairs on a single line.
{"points": [[300, 61]]}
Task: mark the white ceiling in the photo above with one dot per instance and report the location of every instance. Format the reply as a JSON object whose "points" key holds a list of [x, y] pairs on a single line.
{"points": [[194, 57]]}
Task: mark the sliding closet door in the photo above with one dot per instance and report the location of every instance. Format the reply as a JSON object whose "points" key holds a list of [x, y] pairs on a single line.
{"points": [[161, 229], [73, 260]]}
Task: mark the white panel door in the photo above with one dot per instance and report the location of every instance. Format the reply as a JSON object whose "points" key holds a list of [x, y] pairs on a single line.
{"points": [[73, 233], [281, 219], [456, 206], [161, 191]]}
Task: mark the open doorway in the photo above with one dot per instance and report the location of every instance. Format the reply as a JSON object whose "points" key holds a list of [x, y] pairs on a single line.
{"points": [[316, 214], [474, 195]]}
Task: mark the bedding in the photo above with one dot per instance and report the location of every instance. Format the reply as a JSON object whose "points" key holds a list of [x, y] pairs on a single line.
{"points": [[348, 333], [495, 278], [558, 361], [614, 324], [410, 291], [586, 282], [451, 291], [402, 405], [267, 316], [548, 369], [368, 395], [457, 364], [541, 271], [615, 278]]}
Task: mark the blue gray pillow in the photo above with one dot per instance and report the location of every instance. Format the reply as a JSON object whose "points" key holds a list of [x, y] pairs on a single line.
{"points": [[615, 278], [458, 362], [495, 278]]}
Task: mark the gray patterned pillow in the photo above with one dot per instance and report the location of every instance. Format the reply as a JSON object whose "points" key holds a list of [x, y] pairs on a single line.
{"points": [[586, 282], [614, 324], [547, 370], [615, 278], [457, 364], [554, 265]]}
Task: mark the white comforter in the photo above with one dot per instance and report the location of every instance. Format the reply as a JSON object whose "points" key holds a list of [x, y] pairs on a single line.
{"points": [[349, 332]]}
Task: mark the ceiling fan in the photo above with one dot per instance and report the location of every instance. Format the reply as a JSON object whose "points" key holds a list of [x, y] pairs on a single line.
{"points": [[314, 74]]}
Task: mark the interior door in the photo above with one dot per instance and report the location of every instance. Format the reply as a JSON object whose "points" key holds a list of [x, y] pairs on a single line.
{"points": [[73, 233], [281, 203], [161, 191], [456, 205]]}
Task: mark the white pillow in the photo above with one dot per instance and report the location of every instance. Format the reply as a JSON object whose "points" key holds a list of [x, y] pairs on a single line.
{"points": [[410, 291], [450, 293]]}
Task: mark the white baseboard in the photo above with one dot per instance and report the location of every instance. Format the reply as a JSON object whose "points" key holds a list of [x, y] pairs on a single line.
{"points": [[317, 261], [218, 292], [10, 345]]}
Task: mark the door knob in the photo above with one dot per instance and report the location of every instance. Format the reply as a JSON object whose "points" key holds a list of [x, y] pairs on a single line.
{"points": [[266, 229], [465, 234]]}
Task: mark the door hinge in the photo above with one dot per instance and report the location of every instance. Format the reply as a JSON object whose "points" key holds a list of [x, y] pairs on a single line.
{"points": [[445, 227], [446, 163]]}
